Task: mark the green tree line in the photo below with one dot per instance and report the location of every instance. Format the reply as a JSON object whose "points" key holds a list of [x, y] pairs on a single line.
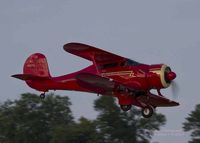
{"points": [[32, 120], [192, 124]]}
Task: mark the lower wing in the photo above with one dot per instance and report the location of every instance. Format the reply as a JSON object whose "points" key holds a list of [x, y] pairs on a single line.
{"points": [[157, 101]]}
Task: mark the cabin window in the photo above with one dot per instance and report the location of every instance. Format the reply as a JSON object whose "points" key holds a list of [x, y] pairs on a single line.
{"points": [[129, 62], [110, 65]]}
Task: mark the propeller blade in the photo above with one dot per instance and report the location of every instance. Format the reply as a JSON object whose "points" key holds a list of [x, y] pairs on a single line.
{"points": [[175, 89]]}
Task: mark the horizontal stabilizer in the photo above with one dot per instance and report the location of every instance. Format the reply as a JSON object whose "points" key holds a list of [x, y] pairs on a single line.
{"points": [[30, 77]]}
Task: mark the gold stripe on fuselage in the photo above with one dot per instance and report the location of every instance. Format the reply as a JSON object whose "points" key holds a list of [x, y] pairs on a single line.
{"points": [[156, 71], [120, 73]]}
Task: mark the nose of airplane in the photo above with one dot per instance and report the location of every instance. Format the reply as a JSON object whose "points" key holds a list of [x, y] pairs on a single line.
{"points": [[171, 76]]}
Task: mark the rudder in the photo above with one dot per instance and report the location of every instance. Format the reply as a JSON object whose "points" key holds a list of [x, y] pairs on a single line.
{"points": [[37, 65]]}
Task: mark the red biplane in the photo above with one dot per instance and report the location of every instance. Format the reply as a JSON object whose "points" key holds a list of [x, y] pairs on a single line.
{"points": [[110, 75]]}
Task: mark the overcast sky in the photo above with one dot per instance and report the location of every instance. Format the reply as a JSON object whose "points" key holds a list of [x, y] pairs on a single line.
{"points": [[147, 31]]}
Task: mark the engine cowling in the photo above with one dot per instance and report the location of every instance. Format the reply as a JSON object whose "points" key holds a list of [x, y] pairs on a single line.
{"points": [[160, 76]]}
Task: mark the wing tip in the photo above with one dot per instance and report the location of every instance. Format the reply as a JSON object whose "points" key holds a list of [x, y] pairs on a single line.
{"points": [[175, 103], [75, 46]]}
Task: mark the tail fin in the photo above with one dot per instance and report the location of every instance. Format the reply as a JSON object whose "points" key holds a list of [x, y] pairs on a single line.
{"points": [[35, 70], [36, 65]]}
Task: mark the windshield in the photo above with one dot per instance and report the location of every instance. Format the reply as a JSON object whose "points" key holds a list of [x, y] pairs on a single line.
{"points": [[109, 65], [129, 62], [125, 63]]}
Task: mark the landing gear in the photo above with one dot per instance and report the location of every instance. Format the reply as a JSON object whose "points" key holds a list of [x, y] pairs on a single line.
{"points": [[126, 107], [147, 111], [42, 95]]}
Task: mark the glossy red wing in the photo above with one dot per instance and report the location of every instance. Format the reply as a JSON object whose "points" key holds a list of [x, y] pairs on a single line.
{"points": [[95, 83], [91, 53], [158, 101]]}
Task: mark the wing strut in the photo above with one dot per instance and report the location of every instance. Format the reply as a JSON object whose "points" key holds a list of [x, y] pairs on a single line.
{"points": [[95, 64]]}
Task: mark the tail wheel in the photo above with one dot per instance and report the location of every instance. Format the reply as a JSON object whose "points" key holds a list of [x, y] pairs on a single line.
{"points": [[42, 96], [126, 107], [147, 111]]}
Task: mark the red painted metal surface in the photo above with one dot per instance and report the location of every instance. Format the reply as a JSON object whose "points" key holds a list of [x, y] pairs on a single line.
{"points": [[109, 74]]}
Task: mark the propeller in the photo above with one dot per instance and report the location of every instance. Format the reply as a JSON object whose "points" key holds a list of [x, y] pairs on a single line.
{"points": [[170, 76], [175, 89]]}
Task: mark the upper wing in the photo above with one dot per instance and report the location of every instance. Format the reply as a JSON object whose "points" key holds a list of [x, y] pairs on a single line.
{"points": [[91, 53]]}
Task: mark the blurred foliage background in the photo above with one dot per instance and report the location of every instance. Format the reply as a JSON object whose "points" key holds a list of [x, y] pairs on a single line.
{"points": [[32, 120]]}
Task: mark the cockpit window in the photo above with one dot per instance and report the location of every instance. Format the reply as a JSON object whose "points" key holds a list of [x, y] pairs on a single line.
{"points": [[129, 62], [110, 65], [125, 63]]}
